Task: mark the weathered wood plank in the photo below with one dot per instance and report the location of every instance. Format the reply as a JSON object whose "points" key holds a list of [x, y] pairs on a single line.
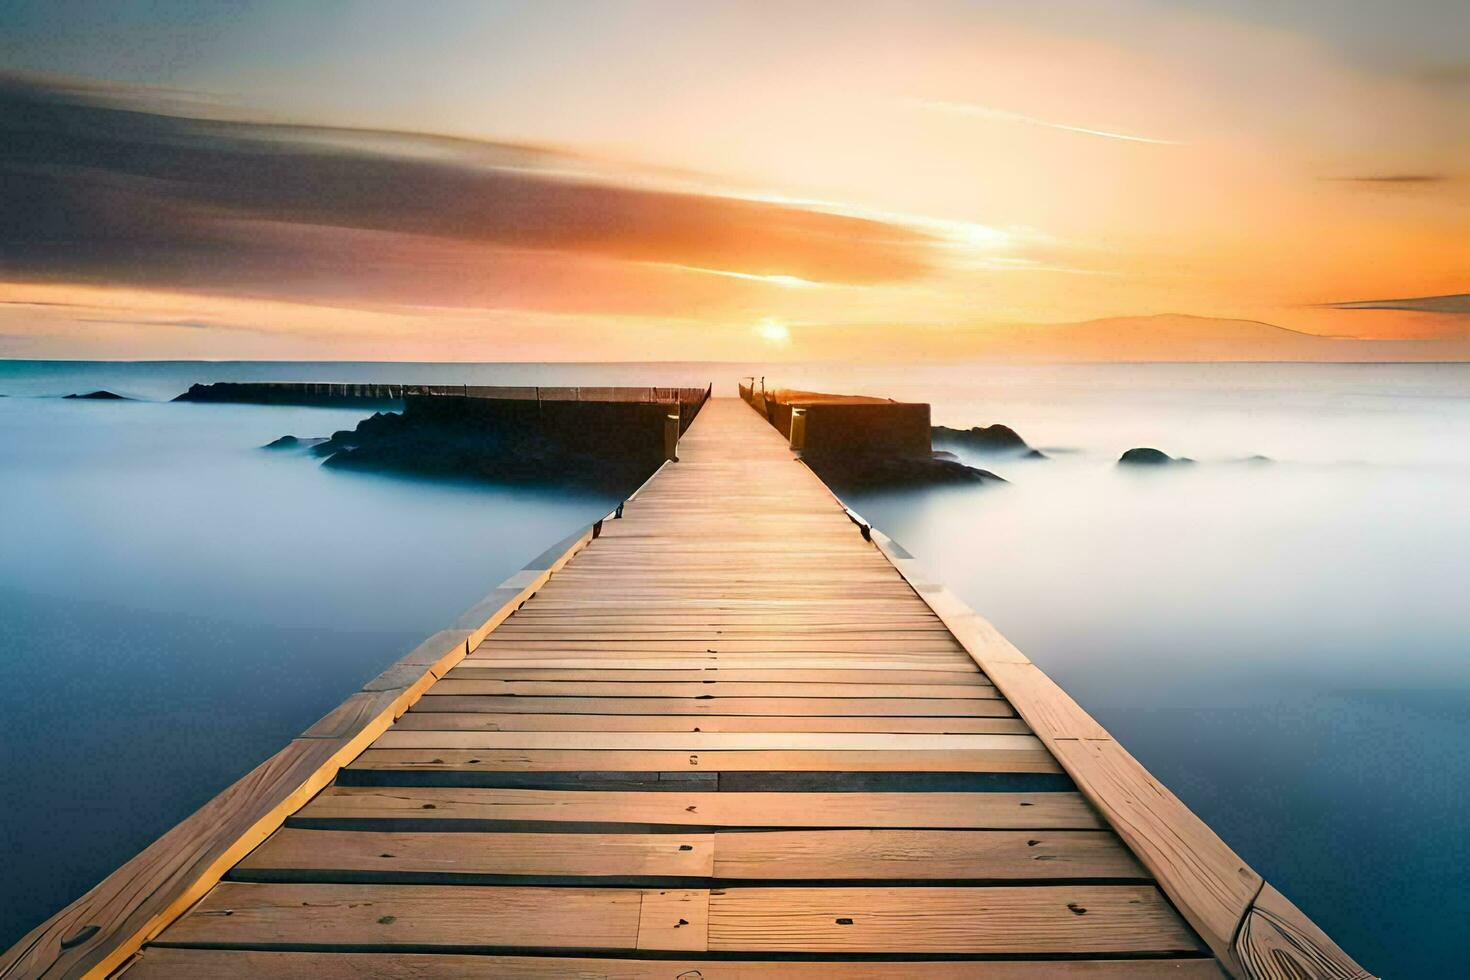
{"points": [[326, 916], [674, 919], [548, 855], [487, 722], [579, 760], [160, 963], [924, 854], [457, 683], [961, 666], [1278, 942], [873, 707], [778, 675], [1073, 919], [708, 741], [979, 811]]}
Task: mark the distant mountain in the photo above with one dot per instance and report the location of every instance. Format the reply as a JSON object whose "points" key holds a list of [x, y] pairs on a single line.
{"points": [[1179, 337]]}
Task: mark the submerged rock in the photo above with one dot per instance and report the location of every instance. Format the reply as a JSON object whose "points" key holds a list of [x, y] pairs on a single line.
{"points": [[997, 439], [293, 442], [862, 470], [102, 395], [1144, 456]]}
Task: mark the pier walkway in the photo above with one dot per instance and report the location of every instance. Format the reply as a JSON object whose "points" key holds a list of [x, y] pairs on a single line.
{"points": [[733, 733]]}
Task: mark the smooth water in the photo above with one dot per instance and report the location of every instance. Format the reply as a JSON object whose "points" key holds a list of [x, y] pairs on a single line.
{"points": [[1285, 644]]}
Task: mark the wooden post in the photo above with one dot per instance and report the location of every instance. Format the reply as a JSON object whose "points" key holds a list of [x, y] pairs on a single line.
{"points": [[798, 428], [671, 436]]}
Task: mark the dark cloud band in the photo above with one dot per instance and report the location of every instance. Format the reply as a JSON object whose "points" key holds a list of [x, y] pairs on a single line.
{"points": [[97, 189]]}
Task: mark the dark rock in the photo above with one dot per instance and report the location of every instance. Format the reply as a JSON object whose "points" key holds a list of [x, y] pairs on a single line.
{"points": [[1144, 456], [439, 445], [101, 395], [997, 440], [292, 442], [875, 470]]}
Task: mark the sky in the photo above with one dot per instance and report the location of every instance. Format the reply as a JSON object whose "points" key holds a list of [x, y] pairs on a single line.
{"points": [[1100, 180]]}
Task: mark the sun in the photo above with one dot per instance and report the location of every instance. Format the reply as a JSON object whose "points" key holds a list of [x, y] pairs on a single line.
{"points": [[773, 331]]}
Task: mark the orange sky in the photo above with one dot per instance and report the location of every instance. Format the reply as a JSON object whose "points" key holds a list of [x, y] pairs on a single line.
{"points": [[648, 181]]}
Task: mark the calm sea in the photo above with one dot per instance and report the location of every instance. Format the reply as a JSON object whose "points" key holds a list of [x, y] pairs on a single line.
{"points": [[1285, 644]]}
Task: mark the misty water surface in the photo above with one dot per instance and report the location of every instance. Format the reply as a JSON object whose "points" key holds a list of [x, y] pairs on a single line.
{"points": [[1286, 645]]}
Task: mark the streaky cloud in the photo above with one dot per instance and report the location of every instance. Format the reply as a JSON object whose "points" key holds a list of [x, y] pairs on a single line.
{"points": [[98, 187], [1449, 303], [1005, 115], [1389, 179]]}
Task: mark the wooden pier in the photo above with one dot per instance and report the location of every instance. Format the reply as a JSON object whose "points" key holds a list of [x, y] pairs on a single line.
{"points": [[733, 732]]}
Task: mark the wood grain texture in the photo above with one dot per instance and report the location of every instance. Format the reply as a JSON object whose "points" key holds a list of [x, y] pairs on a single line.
{"points": [[1041, 919], [1278, 942], [488, 722], [549, 855], [1054, 811], [1209, 883], [458, 683], [933, 707], [709, 741], [383, 916], [232, 964], [649, 760], [674, 919], [924, 854]]}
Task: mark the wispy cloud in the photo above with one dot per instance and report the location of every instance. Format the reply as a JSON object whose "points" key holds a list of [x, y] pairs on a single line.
{"points": [[1389, 179], [1449, 303], [1005, 115]]}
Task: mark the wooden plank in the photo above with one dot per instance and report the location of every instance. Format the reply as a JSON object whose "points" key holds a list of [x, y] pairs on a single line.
{"points": [[1209, 883], [324, 916], [971, 678], [1033, 919], [620, 644], [1073, 919], [578, 760], [709, 741], [978, 811], [1051, 711], [924, 854], [486, 722], [548, 855], [960, 666], [455, 683], [161, 963], [674, 919], [932, 707], [1277, 940], [106, 925]]}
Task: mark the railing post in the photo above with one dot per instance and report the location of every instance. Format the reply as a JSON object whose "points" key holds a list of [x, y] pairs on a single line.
{"points": [[798, 428], [671, 436]]}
